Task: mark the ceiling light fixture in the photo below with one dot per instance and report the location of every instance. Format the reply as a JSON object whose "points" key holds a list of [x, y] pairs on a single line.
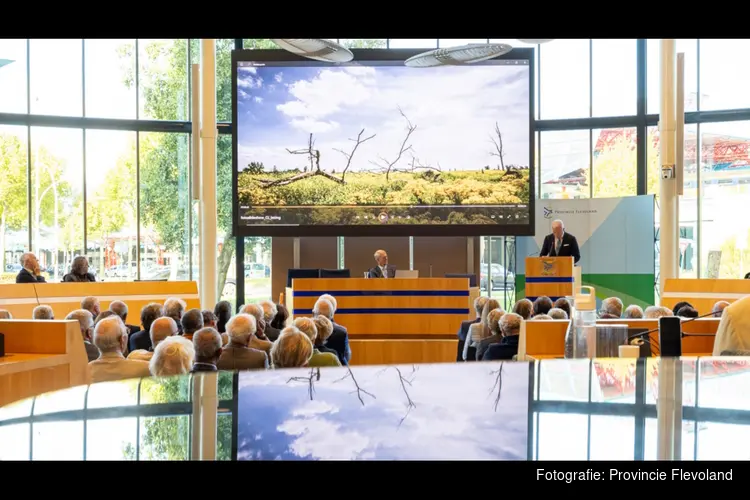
{"points": [[5, 62], [455, 56], [534, 41], [315, 48]]}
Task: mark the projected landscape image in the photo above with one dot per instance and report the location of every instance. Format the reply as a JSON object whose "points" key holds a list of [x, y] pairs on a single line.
{"points": [[382, 144], [404, 412]]}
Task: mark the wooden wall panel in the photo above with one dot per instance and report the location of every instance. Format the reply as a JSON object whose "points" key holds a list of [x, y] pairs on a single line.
{"points": [[444, 254], [358, 253]]}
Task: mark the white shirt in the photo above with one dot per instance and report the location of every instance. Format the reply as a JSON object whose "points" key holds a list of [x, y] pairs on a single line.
{"points": [[382, 269]]}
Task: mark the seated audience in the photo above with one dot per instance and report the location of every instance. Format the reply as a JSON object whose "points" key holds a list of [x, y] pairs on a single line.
{"points": [[542, 305], [191, 321], [611, 308], [479, 331], [259, 340], [79, 271], [86, 323], [325, 328], [679, 306], [687, 312], [110, 337], [207, 345], [173, 356], [209, 319], [282, 314], [269, 313], [541, 317], [223, 312], [633, 312], [524, 308], [30, 272], [656, 312], [318, 359], [719, 307], [339, 339], [557, 313], [507, 348], [733, 333], [493, 322], [330, 298], [747, 276], [142, 339], [292, 349], [103, 315], [120, 308], [91, 304], [43, 312], [174, 308], [5, 314], [162, 328], [463, 330], [562, 303], [237, 355]]}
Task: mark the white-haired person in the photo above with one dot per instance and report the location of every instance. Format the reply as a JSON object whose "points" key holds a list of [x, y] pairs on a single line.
{"points": [[541, 317], [5, 314], [173, 356], [86, 322], [91, 304], [111, 337], [174, 308], [611, 308], [269, 313], [557, 313], [339, 339], [30, 271], [208, 346], [120, 308], [479, 331], [325, 328], [42, 312], [463, 330], [292, 349], [258, 340], [493, 322], [318, 359], [633, 311], [161, 329], [507, 348], [656, 312], [237, 355]]}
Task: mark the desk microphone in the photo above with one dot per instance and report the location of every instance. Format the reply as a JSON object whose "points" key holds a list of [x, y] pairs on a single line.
{"points": [[670, 334], [2, 345]]}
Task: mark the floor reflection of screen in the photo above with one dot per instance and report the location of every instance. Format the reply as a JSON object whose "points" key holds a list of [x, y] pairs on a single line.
{"points": [[467, 411]]}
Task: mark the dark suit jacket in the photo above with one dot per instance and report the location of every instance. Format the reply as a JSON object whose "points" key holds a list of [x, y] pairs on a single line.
{"points": [[139, 340], [75, 278], [272, 333], [235, 357], [24, 276], [132, 329], [376, 272], [569, 247], [505, 349], [462, 332], [91, 351], [484, 344], [339, 342], [203, 367]]}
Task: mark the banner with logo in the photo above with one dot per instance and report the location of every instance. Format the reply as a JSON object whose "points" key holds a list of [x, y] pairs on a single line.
{"points": [[616, 239]]}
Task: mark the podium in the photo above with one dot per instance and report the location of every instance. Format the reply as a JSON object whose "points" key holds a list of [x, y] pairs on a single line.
{"points": [[554, 277]]}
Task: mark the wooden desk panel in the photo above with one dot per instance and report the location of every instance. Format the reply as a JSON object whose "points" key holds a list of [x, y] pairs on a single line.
{"points": [[386, 352], [703, 293]]}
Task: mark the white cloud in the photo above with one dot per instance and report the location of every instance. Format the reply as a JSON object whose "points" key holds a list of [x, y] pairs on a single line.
{"points": [[279, 77], [328, 93], [309, 125]]}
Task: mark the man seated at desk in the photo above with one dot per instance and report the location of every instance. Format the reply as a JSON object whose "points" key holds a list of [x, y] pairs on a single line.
{"points": [[382, 270], [31, 272]]}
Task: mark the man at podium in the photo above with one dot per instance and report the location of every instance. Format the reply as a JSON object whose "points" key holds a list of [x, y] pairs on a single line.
{"points": [[560, 243]]}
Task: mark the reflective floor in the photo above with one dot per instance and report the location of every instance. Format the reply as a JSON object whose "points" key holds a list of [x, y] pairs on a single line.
{"points": [[550, 410]]}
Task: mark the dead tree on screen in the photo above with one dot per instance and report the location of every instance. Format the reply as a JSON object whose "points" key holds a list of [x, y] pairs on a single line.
{"points": [[313, 157], [387, 166], [357, 143], [498, 384], [359, 391], [405, 383], [499, 151], [309, 380]]}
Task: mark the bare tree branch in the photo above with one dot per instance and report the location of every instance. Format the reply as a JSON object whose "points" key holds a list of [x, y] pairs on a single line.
{"points": [[357, 142], [497, 141], [498, 384], [387, 166], [310, 380], [404, 382], [313, 156], [415, 164], [358, 390]]}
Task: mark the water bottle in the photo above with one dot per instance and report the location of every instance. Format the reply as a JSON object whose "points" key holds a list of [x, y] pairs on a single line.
{"points": [[583, 324]]}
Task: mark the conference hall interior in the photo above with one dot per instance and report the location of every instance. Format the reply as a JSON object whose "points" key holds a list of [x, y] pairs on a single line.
{"points": [[374, 249]]}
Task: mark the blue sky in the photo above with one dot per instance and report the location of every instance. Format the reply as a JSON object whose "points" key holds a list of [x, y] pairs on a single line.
{"points": [[453, 417], [454, 109]]}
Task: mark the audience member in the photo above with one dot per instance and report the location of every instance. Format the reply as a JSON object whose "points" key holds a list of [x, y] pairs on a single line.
{"points": [[479, 331], [79, 271], [330, 298], [42, 312], [237, 355], [542, 317], [91, 304], [562, 303], [318, 359], [192, 321], [463, 330], [656, 312], [719, 307], [611, 308], [5, 314], [679, 306], [339, 339], [142, 339], [733, 333], [86, 322], [282, 314], [103, 315], [223, 312], [30, 272], [524, 308], [259, 340], [110, 337], [209, 319], [633, 312], [325, 328], [120, 308], [542, 305], [174, 308], [161, 329], [173, 356], [292, 349], [269, 313], [207, 345], [687, 312], [557, 313], [507, 348], [493, 321]]}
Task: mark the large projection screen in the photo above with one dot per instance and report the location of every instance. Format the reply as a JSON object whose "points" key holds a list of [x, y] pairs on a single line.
{"points": [[375, 148]]}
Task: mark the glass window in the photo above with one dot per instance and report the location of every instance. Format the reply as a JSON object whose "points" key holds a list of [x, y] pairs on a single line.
{"points": [[110, 78], [363, 43], [725, 179], [111, 204], [58, 441], [56, 77], [14, 215], [562, 436], [714, 438], [226, 265], [412, 43], [612, 438], [165, 438], [13, 76], [521, 45], [564, 79], [224, 47], [614, 68], [257, 268], [163, 79], [224, 437], [723, 77], [57, 197], [113, 394], [165, 206], [565, 163], [166, 390], [112, 439], [16, 442], [653, 74], [258, 43], [58, 401], [455, 42], [614, 170]]}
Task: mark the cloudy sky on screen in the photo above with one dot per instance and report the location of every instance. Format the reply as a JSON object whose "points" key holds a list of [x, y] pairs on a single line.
{"points": [[454, 109]]}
